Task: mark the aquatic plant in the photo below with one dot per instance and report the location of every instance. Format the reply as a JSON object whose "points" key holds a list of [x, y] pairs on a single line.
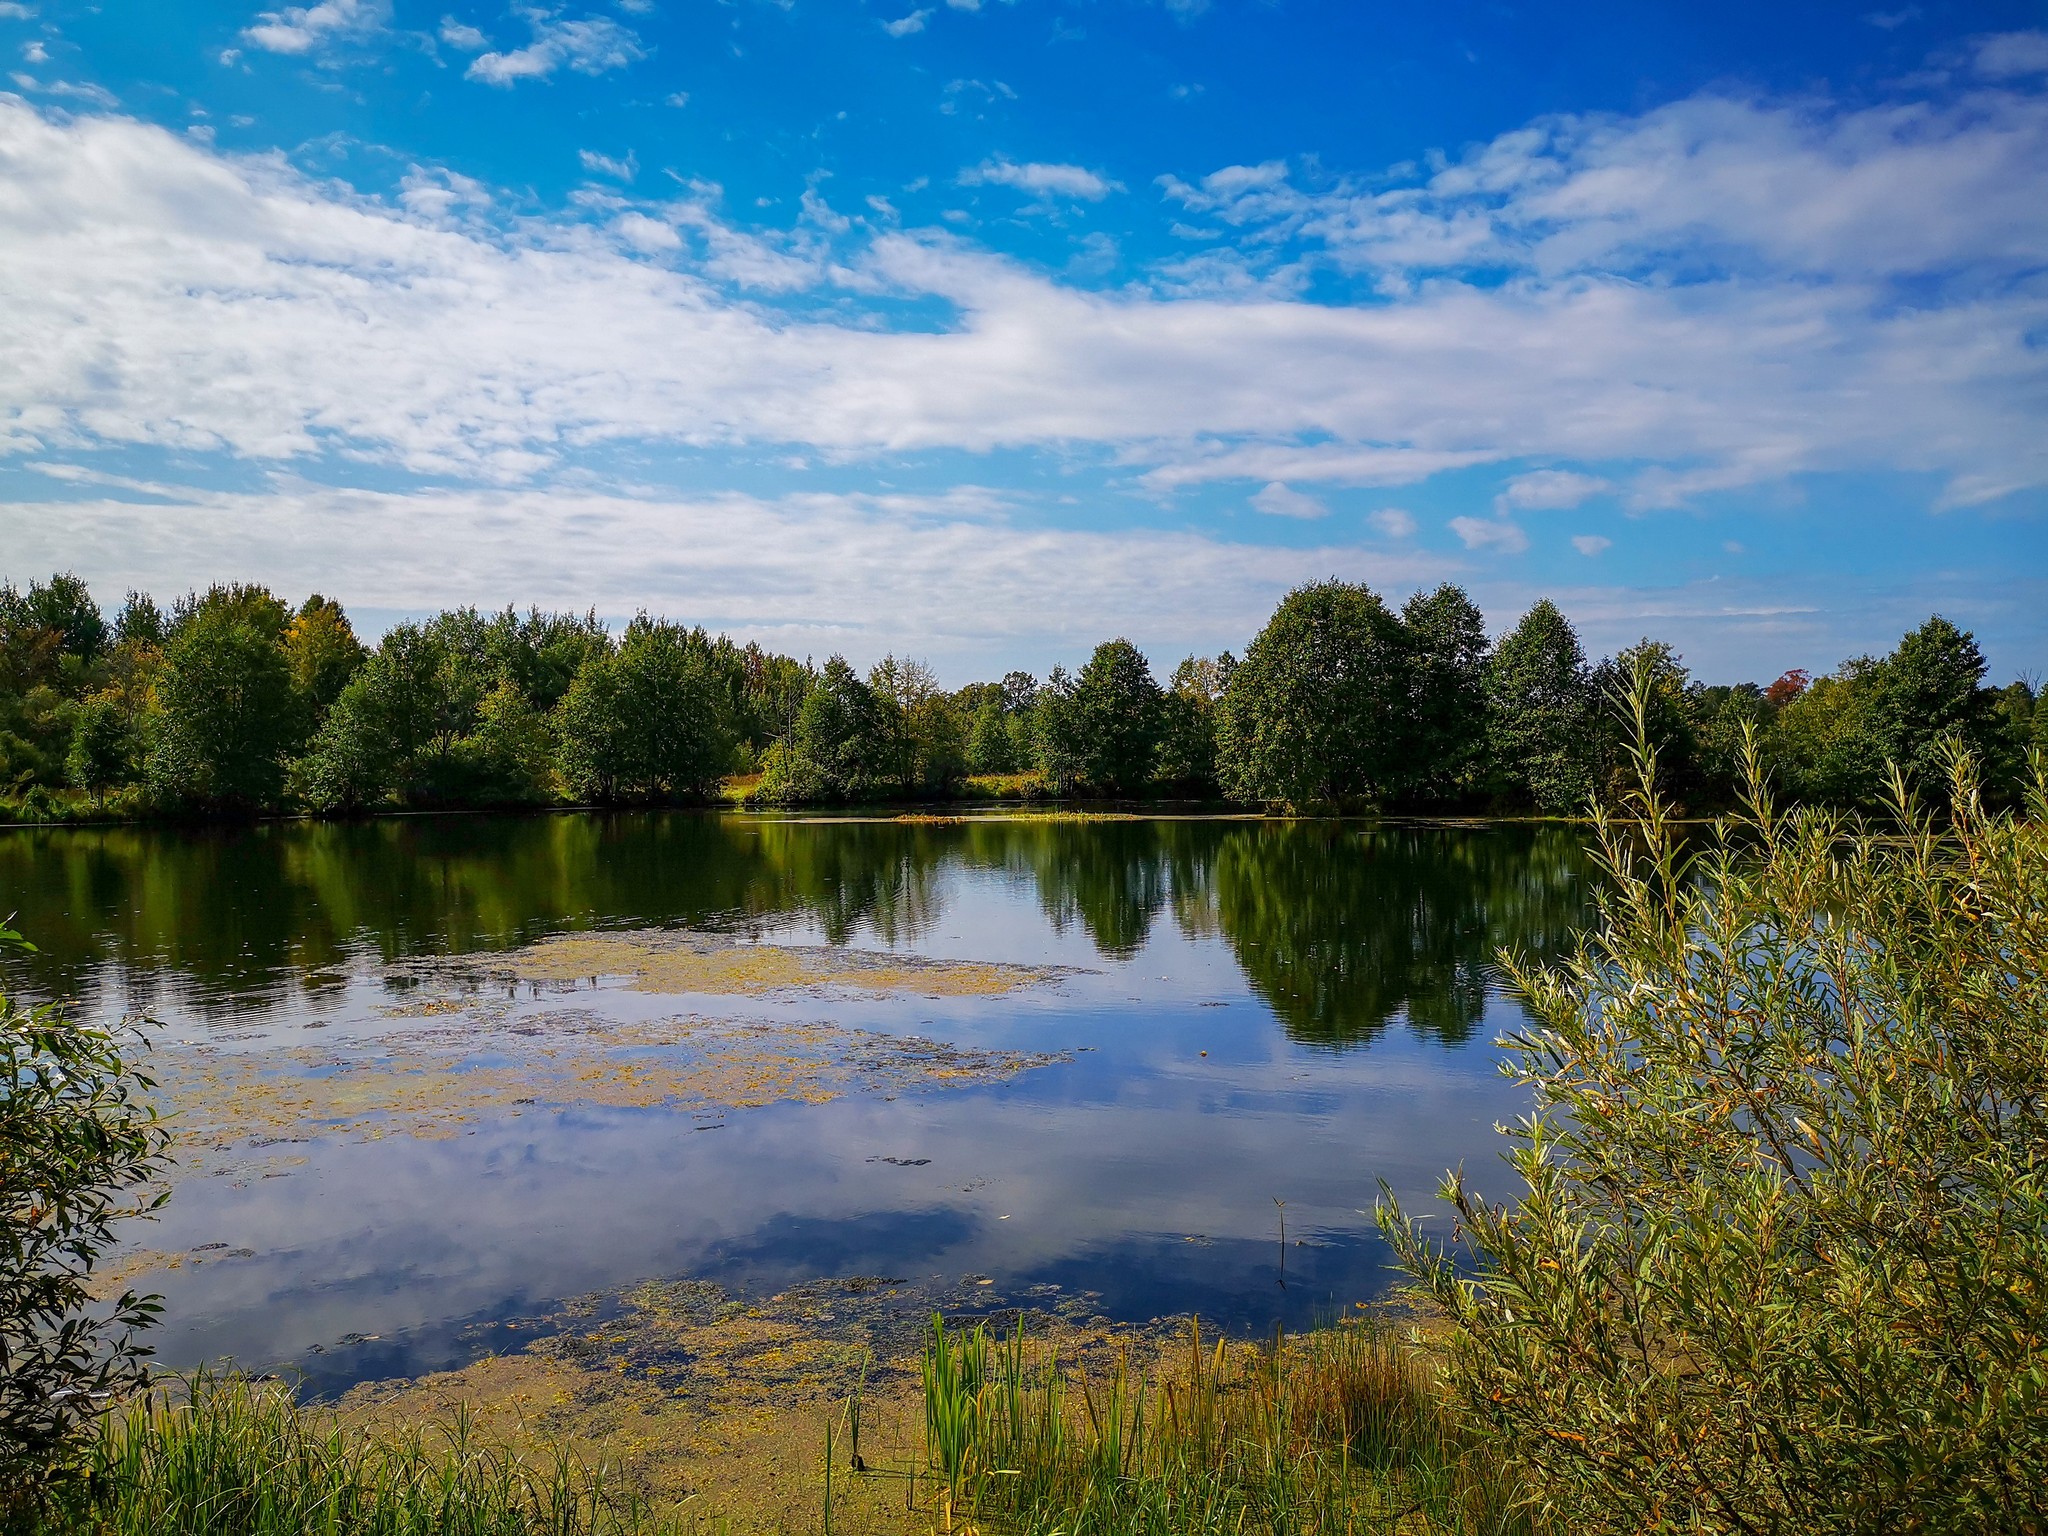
{"points": [[1337, 1430], [234, 1457]]}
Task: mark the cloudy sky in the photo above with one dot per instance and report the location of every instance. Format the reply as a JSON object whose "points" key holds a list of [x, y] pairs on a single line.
{"points": [[982, 330]]}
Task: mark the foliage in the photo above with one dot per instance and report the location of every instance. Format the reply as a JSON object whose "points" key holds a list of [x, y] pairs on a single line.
{"points": [[1447, 653], [231, 1457], [991, 745], [836, 749], [645, 722], [323, 651], [1836, 739], [1111, 721], [1780, 1257], [1669, 719], [1187, 733], [1056, 733], [227, 714], [1315, 714], [78, 1148], [1347, 706], [1541, 730], [923, 750], [102, 745]]}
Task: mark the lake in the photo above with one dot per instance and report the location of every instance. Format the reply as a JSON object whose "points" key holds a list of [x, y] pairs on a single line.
{"points": [[435, 1075]]}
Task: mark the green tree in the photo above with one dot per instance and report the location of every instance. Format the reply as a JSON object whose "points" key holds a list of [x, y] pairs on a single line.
{"points": [[1317, 712], [1832, 744], [324, 653], [79, 1149], [64, 608], [990, 746], [227, 715], [648, 721], [1778, 1259], [1542, 714], [1056, 733], [1929, 692], [394, 727], [924, 751], [839, 749], [1668, 716], [141, 622], [1187, 735], [1115, 717], [102, 745], [1447, 671]]}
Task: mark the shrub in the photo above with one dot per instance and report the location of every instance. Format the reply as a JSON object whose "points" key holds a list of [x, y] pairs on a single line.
{"points": [[1782, 1257], [78, 1149]]}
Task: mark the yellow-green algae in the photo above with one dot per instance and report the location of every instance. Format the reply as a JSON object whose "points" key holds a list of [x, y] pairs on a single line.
{"points": [[678, 961], [720, 1405]]}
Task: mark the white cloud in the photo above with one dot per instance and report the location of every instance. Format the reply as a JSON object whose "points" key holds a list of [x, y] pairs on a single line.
{"points": [[1392, 522], [605, 165], [14, 10], [1276, 500], [35, 53], [1547, 490], [2011, 55], [645, 234], [161, 293], [949, 574], [300, 29], [678, 98], [590, 46], [1484, 533], [1591, 543], [1041, 180], [460, 34], [903, 26]]}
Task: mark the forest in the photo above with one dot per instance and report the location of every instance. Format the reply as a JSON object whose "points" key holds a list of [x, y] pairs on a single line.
{"points": [[235, 703]]}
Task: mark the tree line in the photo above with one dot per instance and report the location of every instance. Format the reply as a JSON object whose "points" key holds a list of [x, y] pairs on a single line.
{"points": [[234, 702]]}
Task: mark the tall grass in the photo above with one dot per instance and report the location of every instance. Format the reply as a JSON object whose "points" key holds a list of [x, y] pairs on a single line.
{"points": [[229, 1457], [1336, 1431]]}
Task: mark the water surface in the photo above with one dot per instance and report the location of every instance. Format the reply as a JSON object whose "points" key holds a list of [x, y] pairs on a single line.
{"points": [[1248, 1013]]}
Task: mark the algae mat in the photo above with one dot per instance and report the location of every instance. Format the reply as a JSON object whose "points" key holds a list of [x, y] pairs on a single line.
{"points": [[690, 962], [437, 1082], [464, 1046], [716, 1407]]}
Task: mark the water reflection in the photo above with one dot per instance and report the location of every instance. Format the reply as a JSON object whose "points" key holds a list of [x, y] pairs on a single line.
{"points": [[1139, 1166], [1341, 928]]}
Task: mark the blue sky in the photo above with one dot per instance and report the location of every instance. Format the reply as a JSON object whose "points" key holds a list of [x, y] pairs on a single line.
{"points": [[983, 331]]}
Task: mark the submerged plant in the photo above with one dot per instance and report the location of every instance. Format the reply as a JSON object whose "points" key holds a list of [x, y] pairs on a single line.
{"points": [[1781, 1263]]}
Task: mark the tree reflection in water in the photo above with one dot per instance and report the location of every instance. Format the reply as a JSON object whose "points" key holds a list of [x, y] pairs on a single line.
{"points": [[1340, 927]]}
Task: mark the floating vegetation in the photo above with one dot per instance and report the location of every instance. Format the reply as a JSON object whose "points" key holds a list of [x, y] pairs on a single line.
{"points": [[675, 961], [691, 1393], [442, 1081]]}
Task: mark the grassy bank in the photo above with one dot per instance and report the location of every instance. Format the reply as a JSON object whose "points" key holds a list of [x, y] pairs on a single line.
{"points": [[1340, 1430], [230, 1457], [1337, 1431]]}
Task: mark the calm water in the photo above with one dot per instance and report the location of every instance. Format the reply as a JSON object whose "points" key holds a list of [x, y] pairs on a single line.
{"points": [[1336, 975]]}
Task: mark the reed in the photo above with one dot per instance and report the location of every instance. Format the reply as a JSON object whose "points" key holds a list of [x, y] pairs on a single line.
{"points": [[232, 1457], [1340, 1430]]}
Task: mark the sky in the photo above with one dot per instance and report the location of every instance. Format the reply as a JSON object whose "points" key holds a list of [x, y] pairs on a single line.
{"points": [[984, 330]]}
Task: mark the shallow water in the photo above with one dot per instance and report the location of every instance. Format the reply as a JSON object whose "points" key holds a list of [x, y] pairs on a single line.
{"points": [[1218, 1016]]}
